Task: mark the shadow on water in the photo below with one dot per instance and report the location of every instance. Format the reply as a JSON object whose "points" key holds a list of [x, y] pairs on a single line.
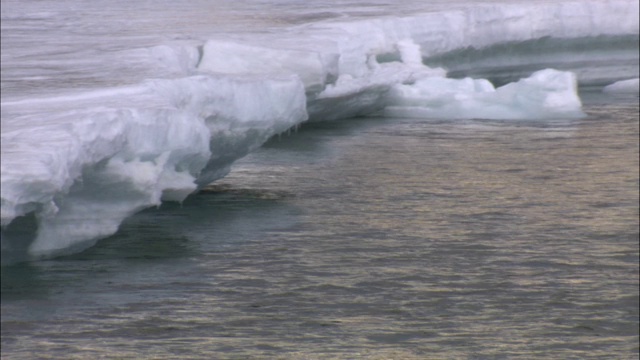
{"points": [[312, 136], [206, 221], [17, 237], [214, 220]]}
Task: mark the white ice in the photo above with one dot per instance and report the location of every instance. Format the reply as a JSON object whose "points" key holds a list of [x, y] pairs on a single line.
{"points": [[545, 94], [84, 171], [624, 86]]}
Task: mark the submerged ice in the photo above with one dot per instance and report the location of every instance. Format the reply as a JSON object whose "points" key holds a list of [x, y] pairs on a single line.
{"points": [[81, 162]]}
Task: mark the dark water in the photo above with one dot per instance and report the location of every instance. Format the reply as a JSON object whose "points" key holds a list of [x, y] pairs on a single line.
{"points": [[369, 238]]}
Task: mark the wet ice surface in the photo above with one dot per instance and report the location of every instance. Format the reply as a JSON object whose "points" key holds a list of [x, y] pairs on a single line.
{"points": [[373, 238]]}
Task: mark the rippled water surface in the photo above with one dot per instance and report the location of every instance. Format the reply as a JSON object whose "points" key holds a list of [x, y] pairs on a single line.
{"points": [[368, 238]]}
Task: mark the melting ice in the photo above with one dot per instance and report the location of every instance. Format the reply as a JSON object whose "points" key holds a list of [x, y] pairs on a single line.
{"points": [[95, 129]]}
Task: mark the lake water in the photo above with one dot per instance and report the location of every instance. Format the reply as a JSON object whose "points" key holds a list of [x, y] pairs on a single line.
{"points": [[376, 238]]}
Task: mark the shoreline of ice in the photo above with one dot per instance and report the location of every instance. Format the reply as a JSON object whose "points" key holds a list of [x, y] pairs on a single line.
{"points": [[83, 163]]}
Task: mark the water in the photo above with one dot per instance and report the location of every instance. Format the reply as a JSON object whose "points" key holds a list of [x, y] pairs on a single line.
{"points": [[374, 238]]}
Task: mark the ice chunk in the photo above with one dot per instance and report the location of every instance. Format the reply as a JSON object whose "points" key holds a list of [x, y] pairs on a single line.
{"points": [[624, 86], [410, 53], [546, 93]]}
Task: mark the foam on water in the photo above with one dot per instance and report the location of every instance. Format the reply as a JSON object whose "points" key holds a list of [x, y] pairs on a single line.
{"points": [[174, 116]]}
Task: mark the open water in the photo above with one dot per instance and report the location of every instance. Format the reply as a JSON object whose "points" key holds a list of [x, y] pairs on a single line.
{"points": [[375, 238]]}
